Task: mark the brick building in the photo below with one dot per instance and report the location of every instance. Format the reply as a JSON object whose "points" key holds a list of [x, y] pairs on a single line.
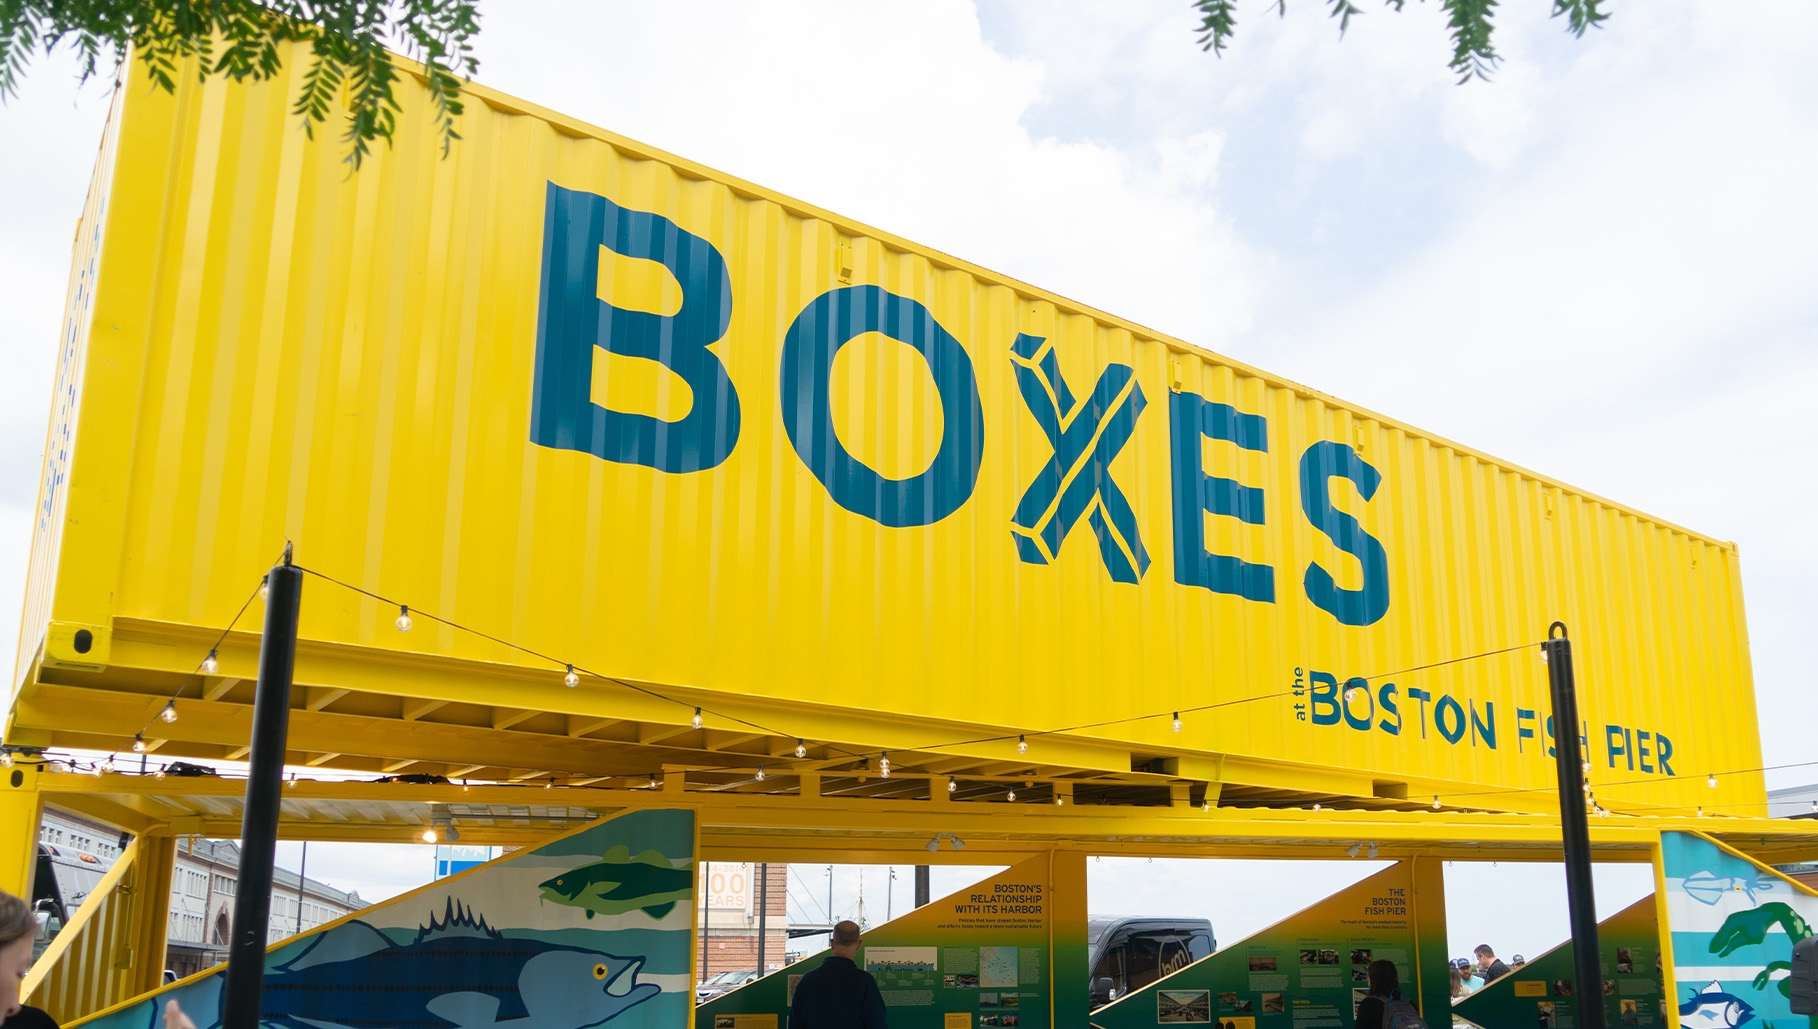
{"points": [[729, 915]]}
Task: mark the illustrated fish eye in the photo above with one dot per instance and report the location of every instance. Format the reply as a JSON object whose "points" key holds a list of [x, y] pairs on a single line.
{"points": [[599, 971]]}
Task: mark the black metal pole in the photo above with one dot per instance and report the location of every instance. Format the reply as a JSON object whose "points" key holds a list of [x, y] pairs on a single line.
{"points": [[1581, 902], [921, 885], [763, 913], [264, 783]]}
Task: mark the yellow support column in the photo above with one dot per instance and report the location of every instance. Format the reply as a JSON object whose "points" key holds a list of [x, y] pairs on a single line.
{"points": [[21, 810], [142, 951]]}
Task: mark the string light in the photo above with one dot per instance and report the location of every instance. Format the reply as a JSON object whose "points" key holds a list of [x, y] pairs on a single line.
{"points": [[211, 664], [760, 775], [404, 621], [1352, 695], [1206, 805], [1059, 800], [654, 784], [138, 743], [952, 784], [1011, 796], [159, 774], [1022, 744], [801, 747], [429, 835], [1700, 813], [1711, 780], [6, 760], [1177, 721], [883, 765], [169, 714], [571, 680], [264, 587], [549, 784], [1436, 802], [291, 783], [107, 763], [1315, 807], [696, 720]]}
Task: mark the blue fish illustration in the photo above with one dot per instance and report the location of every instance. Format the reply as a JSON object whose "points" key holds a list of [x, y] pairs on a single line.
{"points": [[1707, 887], [458, 973], [1712, 1008]]}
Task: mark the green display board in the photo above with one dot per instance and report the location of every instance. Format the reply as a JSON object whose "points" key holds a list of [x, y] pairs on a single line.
{"points": [[1308, 971], [1542, 994], [1008, 951]]}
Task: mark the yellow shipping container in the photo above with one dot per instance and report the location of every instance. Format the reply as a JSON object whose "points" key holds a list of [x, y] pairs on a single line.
{"points": [[634, 414]]}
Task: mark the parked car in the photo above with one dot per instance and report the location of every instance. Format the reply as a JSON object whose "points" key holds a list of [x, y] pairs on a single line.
{"points": [[724, 982], [1128, 953]]}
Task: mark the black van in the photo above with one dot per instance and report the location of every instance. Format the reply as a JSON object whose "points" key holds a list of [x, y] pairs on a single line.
{"points": [[1128, 953]]}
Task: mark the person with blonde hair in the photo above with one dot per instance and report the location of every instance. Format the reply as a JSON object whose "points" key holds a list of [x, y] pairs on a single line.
{"points": [[17, 928]]}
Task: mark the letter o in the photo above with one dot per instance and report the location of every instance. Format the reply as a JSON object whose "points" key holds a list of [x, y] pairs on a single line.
{"points": [[829, 322], [1455, 732], [1344, 700]]}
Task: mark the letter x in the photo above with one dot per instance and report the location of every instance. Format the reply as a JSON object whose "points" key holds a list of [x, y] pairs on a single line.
{"points": [[1086, 436]]}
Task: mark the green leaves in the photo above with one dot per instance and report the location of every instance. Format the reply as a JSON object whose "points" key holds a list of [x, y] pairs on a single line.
{"points": [[241, 39], [1471, 23]]}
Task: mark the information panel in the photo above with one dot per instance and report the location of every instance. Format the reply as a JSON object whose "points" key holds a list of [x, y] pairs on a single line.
{"points": [[982, 957], [1543, 993], [1311, 970]]}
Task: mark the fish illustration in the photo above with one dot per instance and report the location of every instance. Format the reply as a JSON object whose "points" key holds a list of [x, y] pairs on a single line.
{"points": [[1712, 1008], [1707, 887], [622, 883], [458, 972]]}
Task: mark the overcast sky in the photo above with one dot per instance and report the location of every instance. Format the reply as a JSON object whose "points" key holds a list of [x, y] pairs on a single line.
{"points": [[1599, 266]]}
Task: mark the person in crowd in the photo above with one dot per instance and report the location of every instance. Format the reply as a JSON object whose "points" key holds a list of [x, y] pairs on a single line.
{"points": [[839, 994], [1516, 962], [1489, 964], [1458, 990], [17, 927], [1467, 972], [1384, 1003]]}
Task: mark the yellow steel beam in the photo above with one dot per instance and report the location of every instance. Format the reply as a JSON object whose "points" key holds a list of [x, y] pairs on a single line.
{"points": [[220, 688], [319, 697], [759, 826]]}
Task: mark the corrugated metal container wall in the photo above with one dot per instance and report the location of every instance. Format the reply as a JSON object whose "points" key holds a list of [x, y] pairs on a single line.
{"points": [[404, 371]]}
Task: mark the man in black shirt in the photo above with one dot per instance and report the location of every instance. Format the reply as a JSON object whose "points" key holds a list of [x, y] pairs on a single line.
{"points": [[1492, 966], [839, 994]]}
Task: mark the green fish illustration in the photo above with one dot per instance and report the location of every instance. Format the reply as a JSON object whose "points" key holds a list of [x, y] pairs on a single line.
{"points": [[622, 883]]}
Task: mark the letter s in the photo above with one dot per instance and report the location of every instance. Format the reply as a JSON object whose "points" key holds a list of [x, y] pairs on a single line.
{"points": [[1323, 462]]}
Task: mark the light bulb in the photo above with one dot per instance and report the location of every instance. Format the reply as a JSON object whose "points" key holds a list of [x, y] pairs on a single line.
{"points": [[138, 743], [1700, 813], [1436, 802], [1543, 653], [1177, 721], [1059, 800], [1352, 694], [291, 783], [107, 763], [760, 775], [571, 680], [169, 714], [158, 775], [429, 835], [211, 664], [6, 759], [883, 766], [463, 785], [1316, 807], [404, 623], [1011, 797], [1022, 744], [1711, 780], [1205, 805], [264, 587], [654, 784], [696, 720], [549, 784], [1585, 766], [801, 748], [952, 784]]}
